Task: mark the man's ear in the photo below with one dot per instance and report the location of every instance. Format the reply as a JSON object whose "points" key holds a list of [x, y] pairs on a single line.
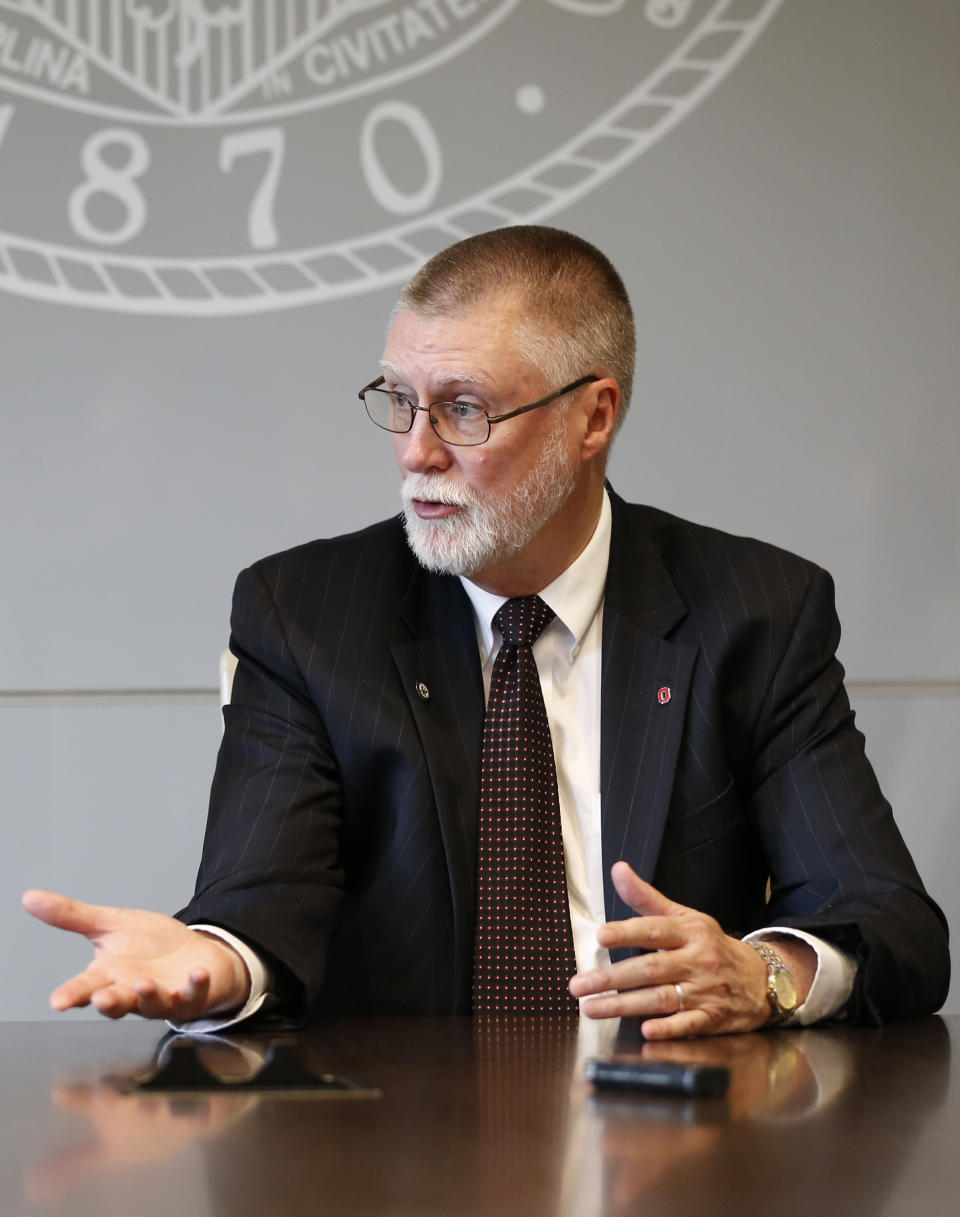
{"points": [[600, 406]]}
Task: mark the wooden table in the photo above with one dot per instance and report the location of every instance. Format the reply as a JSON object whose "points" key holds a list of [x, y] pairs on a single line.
{"points": [[488, 1119]]}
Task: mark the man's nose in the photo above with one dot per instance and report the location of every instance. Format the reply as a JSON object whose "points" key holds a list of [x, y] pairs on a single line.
{"points": [[420, 450]]}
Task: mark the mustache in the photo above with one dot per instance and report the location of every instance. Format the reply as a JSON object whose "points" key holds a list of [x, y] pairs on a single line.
{"points": [[436, 488]]}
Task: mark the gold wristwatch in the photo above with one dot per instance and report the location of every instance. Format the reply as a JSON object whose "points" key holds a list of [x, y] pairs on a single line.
{"points": [[781, 989]]}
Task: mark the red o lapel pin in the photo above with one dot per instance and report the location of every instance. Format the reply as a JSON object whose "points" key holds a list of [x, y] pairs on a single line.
{"points": [[664, 695]]}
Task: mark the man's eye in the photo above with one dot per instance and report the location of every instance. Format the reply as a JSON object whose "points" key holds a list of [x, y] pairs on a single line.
{"points": [[464, 409], [400, 399]]}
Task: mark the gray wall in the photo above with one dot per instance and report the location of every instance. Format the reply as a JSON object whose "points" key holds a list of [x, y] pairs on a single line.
{"points": [[189, 302]]}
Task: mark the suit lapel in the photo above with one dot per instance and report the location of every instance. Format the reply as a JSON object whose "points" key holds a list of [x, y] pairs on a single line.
{"points": [[645, 684], [439, 668]]}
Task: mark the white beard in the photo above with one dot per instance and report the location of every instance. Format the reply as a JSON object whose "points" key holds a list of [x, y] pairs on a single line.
{"points": [[489, 527]]}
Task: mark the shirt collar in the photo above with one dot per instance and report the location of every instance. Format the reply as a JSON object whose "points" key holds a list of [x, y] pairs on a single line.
{"points": [[575, 594]]}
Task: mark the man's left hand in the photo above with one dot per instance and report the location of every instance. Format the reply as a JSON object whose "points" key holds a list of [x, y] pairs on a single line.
{"points": [[723, 981]]}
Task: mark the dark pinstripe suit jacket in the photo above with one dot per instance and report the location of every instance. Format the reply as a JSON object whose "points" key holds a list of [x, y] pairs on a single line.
{"points": [[342, 832]]}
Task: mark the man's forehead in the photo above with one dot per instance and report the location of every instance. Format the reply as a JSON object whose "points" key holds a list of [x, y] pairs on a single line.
{"points": [[477, 346], [491, 315]]}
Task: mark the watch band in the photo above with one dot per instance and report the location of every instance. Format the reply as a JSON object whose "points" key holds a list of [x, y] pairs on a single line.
{"points": [[781, 989]]}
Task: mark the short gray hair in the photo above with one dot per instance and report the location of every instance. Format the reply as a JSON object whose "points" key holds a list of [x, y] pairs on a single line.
{"points": [[578, 317]]}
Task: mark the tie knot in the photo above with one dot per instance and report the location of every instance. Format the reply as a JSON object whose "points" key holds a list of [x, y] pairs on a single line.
{"points": [[522, 620]]}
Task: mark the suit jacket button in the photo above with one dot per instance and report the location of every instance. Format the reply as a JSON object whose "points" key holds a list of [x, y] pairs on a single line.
{"points": [[422, 691]]}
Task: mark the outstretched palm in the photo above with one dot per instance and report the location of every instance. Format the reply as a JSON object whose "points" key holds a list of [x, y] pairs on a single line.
{"points": [[144, 963]]}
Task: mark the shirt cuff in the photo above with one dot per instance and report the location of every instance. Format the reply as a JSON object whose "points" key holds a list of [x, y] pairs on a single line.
{"points": [[260, 982], [832, 983]]}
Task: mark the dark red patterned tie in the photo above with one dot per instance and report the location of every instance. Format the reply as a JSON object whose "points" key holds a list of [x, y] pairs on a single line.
{"points": [[524, 946]]}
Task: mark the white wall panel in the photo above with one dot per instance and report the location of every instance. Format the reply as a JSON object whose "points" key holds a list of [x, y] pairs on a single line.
{"points": [[104, 800]]}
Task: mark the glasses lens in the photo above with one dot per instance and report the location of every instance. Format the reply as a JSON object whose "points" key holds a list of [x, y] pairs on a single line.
{"points": [[388, 410], [459, 423]]}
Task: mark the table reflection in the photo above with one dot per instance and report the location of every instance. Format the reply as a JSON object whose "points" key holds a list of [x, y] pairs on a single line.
{"points": [[489, 1115]]}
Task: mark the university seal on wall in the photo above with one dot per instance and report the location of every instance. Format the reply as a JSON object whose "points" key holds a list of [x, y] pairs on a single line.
{"points": [[209, 157]]}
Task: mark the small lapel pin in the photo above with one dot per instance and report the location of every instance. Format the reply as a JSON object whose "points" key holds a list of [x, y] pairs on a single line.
{"points": [[663, 695], [422, 691]]}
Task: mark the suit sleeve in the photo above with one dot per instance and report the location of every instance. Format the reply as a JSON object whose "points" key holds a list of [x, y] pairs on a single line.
{"points": [[839, 866], [270, 870]]}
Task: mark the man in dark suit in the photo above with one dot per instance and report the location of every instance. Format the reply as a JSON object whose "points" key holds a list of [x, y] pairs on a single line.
{"points": [[711, 781]]}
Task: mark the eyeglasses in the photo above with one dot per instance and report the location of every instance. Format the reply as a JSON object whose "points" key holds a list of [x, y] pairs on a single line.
{"points": [[454, 422]]}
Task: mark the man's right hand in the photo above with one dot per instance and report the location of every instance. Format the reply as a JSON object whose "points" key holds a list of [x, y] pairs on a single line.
{"points": [[144, 963]]}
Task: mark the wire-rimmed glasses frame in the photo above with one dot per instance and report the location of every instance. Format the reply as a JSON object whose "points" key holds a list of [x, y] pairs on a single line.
{"points": [[452, 414]]}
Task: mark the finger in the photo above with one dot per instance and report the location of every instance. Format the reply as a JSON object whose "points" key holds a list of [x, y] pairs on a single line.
{"points": [[651, 933], [193, 997], [152, 1001], [655, 1001], [684, 1025], [642, 897], [63, 912], [637, 972], [668, 1024], [76, 992], [115, 1000]]}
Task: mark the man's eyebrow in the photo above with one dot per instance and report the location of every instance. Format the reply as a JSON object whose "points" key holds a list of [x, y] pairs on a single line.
{"points": [[449, 378]]}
